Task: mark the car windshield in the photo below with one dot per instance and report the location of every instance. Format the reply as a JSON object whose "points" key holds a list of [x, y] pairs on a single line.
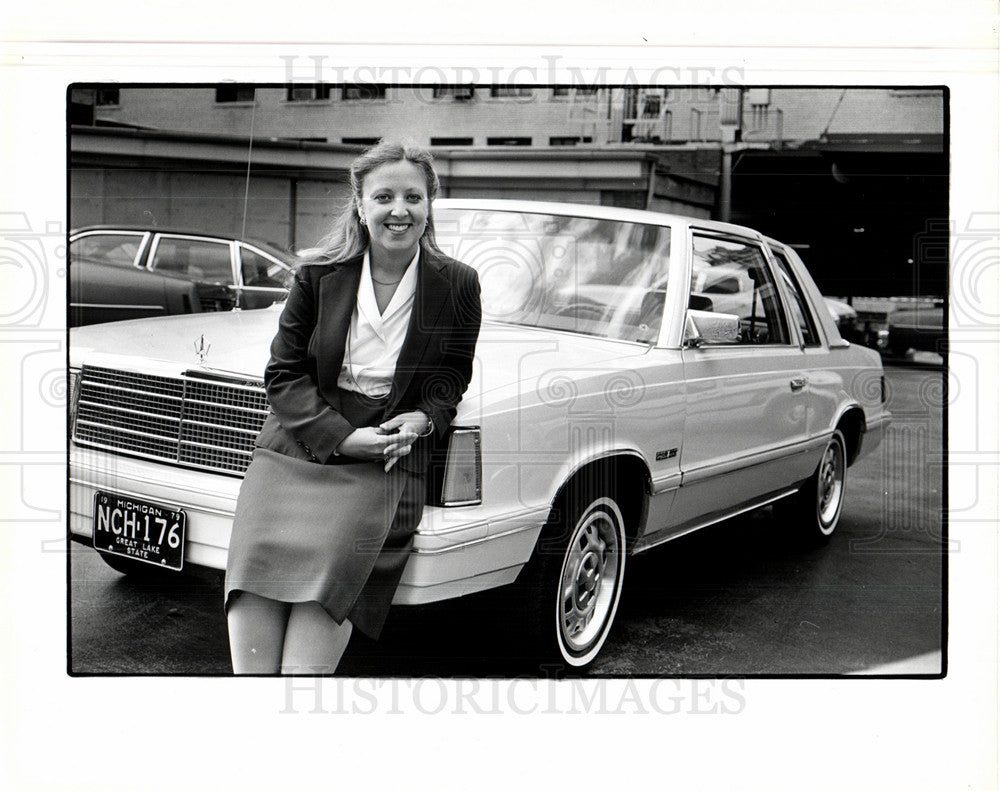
{"points": [[599, 277]]}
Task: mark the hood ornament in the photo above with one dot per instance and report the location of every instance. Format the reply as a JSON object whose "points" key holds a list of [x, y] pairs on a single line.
{"points": [[201, 349]]}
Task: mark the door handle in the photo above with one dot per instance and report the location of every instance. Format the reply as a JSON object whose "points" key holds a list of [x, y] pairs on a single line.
{"points": [[797, 384]]}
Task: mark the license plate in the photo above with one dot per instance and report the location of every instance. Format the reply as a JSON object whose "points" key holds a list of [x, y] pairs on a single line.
{"points": [[139, 530]]}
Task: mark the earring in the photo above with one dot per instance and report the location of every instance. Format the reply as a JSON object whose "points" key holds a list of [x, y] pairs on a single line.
{"points": [[363, 221]]}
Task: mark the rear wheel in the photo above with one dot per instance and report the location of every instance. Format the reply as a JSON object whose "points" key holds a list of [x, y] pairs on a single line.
{"points": [[575, 580], [814, 511]]}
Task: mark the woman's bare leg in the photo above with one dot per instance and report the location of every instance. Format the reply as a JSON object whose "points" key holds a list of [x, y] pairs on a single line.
{"points": [[256, 633], [314, 642]]}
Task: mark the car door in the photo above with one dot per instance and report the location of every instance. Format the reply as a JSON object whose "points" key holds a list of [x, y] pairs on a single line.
{"points": [[745, 403], [822, 384], [264, 279]]}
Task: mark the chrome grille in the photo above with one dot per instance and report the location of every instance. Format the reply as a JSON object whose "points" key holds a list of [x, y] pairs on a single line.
{"points": [[194, 422]]}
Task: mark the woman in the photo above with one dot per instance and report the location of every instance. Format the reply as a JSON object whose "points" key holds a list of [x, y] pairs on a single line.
{"points": [[373, 353]]}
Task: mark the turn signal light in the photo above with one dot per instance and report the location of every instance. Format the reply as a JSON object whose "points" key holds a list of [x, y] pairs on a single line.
{"points": [[463, 471]]}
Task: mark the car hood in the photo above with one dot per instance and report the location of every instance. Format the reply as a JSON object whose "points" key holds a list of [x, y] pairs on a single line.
{"points": [[236, 342], [511, 362]]}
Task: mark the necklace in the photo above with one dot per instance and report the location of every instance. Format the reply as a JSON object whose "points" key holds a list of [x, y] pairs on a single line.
{"points": [[390, 283]]}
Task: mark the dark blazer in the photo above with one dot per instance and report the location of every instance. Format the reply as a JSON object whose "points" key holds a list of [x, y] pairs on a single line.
{"points": [[432, 371]]}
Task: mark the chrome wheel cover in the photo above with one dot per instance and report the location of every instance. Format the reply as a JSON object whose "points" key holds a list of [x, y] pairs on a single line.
{"points": [[590, 579], [830, 486]]}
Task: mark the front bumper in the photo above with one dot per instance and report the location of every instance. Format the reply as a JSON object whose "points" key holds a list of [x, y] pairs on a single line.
{"points": [[456, 551]]}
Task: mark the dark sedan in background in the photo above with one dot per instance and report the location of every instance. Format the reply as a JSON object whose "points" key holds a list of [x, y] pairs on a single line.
{"points": [[129, 272], [867, 326], [918, 327], [895, 326]]}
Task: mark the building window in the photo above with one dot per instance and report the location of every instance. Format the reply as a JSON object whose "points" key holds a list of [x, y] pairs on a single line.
{"points": [[106, 97], [451, 141], [508, 92], [758, 114], [695, 133], [233, 93], [316, 92], [359, 141], [363, 91], [630, 103], [508, 141], [565, 91], [569, 141], [457, 92], [651, 104]]}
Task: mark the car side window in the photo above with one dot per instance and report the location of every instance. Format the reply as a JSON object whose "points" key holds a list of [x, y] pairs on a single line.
{"points": [[106, 248], [197, 259], [799, 306], [732, 276], [264, 272]]}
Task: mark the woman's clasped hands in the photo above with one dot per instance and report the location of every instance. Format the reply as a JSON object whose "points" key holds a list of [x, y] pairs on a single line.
{"points": [[388, 441]]}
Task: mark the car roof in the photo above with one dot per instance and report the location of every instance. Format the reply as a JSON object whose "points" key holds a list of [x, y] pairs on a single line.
{"points": [[645, 216], [269, 247]]}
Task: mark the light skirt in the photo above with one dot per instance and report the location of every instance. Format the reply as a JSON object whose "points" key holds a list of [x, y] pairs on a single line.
{"points": [[337, 534]]}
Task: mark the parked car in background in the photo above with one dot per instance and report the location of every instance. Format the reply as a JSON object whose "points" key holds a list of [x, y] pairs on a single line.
{"points": [[127, 272], [638, 376], [867, 325], [917, 326]]}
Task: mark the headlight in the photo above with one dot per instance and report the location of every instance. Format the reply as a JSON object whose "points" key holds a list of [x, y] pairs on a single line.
{"points": [[73, 395], [463, 470]]}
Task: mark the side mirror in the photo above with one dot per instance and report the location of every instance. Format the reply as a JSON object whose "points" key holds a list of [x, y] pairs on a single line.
{"points": [[702, 328]]}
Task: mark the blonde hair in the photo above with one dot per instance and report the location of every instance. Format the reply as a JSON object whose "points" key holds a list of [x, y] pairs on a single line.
{"points": [[348, 237]]}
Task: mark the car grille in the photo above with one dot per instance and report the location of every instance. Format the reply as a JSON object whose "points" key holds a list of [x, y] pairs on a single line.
{"points": [[194, 420]]}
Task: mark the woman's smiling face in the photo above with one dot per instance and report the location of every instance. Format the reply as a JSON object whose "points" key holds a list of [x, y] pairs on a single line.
{"points": [[395, 206]]}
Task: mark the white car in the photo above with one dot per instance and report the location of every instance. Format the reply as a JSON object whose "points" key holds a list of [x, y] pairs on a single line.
{"points": [[614, 406]]}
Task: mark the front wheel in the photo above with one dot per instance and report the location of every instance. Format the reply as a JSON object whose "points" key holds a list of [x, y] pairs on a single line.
{"points": [[814, 511], [576, 580]]}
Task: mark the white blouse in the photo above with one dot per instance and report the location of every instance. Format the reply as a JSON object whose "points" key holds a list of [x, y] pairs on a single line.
{"points": [[375, 339]]}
